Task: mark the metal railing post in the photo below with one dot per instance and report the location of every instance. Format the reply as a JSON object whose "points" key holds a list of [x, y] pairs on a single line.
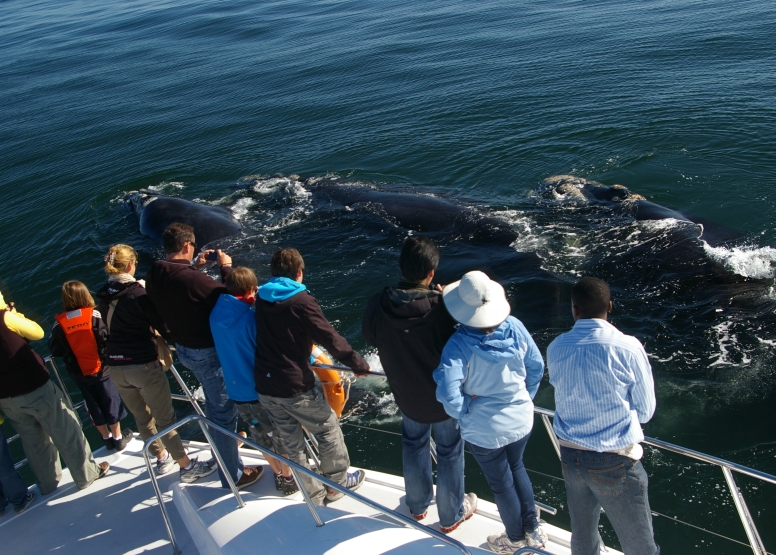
{"points": [[50, 360], [160, 498], [204, 424], [551, 433], [186, 391], [743, 512]]}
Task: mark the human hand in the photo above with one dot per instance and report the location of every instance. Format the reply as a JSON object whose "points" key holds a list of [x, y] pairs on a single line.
{"points": [[223, 258], [203, 258], [10, 307]]}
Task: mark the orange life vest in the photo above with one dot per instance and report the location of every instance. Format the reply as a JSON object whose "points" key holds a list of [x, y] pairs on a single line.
{"points": [[77, 325]]}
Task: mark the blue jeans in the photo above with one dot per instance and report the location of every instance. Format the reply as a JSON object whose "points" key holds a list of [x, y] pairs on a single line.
{"points": [[418, 481], [504, 470], [619, 485], [219, 408], [12, 488]]}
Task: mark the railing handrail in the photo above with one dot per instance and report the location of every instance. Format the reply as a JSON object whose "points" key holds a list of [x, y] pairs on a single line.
{"points": [[295, 468], [660, 444]]}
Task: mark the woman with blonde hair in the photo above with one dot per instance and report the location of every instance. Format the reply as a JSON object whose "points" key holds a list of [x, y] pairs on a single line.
{"points": [[131, 356], [79, 336]]}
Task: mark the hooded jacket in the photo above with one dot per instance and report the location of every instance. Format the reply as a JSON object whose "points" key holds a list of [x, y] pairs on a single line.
{"points": [[233, 324], [410, 326], [131, 339], [488, 381], [183, 297], [288, 322]]}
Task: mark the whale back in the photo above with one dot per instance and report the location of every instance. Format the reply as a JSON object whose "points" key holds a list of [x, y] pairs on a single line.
{"points": [[210, 223]]}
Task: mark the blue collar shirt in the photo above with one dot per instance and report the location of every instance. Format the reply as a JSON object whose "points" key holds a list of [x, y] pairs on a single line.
{"points": [[603, 386]]}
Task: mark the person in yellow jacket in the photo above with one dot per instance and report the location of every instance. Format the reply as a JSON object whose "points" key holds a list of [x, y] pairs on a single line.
{"points": [[37, 410]]}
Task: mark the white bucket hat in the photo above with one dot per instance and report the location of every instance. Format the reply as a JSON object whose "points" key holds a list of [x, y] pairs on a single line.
{"points": [[476, 301]]}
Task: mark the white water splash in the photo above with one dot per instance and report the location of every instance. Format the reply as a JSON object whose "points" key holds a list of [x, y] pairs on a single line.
{"points": [[751, 262], [241, 207]]}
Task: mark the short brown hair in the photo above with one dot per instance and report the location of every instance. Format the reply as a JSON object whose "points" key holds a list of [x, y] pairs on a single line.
{"points": [[240, 280], [76, 295], [175, 236], [286, 263]]}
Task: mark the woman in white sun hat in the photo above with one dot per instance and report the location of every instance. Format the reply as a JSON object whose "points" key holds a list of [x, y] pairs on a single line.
{"points": [[489, 372]]}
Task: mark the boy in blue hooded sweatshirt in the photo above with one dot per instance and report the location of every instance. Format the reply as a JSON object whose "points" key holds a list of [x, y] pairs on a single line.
{"points": [[288, 323], [488, 375], [233, 324]]}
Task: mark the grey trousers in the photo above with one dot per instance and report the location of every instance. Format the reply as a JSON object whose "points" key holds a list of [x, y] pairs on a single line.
{"points": [[48, 429], [146, 393], [260, 426], [311, 411]]}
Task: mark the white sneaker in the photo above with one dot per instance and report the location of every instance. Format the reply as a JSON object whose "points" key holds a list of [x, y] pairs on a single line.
{"points": [[469, 508], [502, 544], [198, 470], [163, 466], [537, 538], [353, 481]]}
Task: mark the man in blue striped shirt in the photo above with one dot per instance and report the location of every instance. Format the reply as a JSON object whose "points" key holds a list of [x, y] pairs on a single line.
{"points": [[603, 392]]}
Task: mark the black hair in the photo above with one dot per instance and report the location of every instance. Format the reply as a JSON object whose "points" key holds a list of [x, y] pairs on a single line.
{"points": [[591, 297], [419, 255]]}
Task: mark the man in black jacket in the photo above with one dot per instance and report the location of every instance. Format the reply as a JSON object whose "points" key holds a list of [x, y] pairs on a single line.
{"points": [[410, 325], [184, 297]]}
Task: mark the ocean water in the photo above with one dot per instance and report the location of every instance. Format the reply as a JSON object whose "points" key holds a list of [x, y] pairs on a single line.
{"points": [[236, 103]]}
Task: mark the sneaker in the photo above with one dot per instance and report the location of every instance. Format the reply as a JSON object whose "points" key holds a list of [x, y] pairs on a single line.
{"points": [[110, 445], [289, 486], [352, 482], [279, 482], [163, 466], [126, 437], [502, 544], [104, 466], [30, 497], [537, 538], [421, 516], [469, 508], [250, 475], [198, 470]]}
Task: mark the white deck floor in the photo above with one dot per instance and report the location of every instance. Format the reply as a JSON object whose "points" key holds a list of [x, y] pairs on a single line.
{"points": [[118, 514]]}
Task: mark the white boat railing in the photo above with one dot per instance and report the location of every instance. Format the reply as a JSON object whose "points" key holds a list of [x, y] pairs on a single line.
{"points": [[208, 426], [728, 468]]}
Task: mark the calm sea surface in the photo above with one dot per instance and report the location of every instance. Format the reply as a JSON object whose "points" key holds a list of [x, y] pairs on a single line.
{"points": [[228, 101]]}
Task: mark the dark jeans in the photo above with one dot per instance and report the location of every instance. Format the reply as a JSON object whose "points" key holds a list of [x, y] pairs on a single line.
{"points": [[219, 408], [503, 468], [418, 481], [12, 488], [619, 485]]}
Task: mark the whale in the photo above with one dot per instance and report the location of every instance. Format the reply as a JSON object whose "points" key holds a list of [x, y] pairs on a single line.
{"points": [[572, 187], [155, 212], [424, 213]]}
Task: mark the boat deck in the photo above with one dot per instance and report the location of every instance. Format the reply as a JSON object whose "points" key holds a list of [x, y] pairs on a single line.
{"points": [[118, 514]]}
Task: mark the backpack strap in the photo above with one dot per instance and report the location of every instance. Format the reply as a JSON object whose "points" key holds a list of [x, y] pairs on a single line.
{"points": [[111, 310]]}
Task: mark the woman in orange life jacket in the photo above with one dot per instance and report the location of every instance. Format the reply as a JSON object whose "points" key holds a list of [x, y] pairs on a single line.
{"points": [[79, 336]]}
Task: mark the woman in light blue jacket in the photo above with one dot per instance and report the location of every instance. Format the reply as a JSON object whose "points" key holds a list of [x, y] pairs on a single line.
{"points": [[489, 372]]}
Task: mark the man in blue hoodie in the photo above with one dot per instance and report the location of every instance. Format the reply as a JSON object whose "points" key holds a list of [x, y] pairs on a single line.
{"points": [[233, 325], [288, 323]]}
